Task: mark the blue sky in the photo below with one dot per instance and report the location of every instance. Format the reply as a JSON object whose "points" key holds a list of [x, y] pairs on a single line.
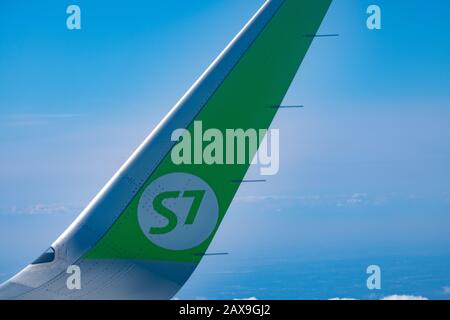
{"points": [[364, 173]]}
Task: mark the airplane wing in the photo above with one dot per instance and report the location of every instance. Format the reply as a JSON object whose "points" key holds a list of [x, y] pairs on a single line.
{"points": [[146, 231]]}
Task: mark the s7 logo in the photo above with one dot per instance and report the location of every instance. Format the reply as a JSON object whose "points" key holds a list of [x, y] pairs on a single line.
{"points": [[172, 219], [178, 211]]}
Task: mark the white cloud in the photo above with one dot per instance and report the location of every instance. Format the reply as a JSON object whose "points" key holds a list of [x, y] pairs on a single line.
{"points": [[300, 199], [47, 209], [404, 297], [446, 290], [392, 297], [354, 200], [251, 298], [25, 119], [40, 208]]}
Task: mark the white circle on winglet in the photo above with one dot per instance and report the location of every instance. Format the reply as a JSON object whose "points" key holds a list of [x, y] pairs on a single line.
{"points": [[178, 211]]}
